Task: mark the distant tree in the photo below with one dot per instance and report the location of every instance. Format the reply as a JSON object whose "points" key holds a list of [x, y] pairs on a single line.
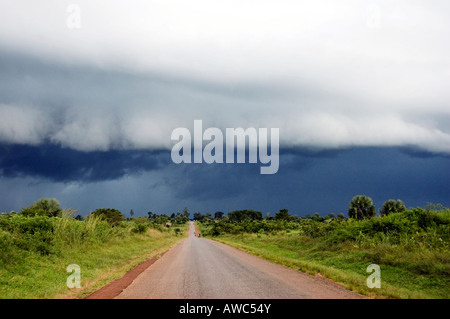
{"points": [[218, 215], [283, 214], [432, 206], [341, 216], [198, 216], [244, 215], [161, 219], [315, 217], [178, 218], [392, 206], [186, 213], [131, 213], [361, 207], [111, 215], [45, 206], [151, 215]]}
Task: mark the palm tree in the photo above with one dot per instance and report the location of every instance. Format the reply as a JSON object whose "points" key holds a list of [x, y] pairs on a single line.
{"points": [[392, 206], [361, 207]]}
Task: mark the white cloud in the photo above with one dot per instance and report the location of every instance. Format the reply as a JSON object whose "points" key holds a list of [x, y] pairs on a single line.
{"points": [[328, 73], [23, 125], [337, 130], [87, 129]]}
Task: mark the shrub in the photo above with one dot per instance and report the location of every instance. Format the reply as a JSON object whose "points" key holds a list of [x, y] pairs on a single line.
{"points": [[244, 215], [283, 214], [392, 206], [43, 207], [140, 228], [29, 233], [313, 228], [111, 215]]}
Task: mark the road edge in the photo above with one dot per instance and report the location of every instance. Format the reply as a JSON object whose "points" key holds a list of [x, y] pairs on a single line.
{"points": [[317, 276], [115, 287]]}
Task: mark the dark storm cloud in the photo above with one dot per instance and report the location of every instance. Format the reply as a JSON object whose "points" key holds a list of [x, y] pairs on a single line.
{"points": [[211, 182], [27, 79], [54, 163], [221, 181], [90, 108], [415, 152], [325, 183], [204, 182], [149, 181]]}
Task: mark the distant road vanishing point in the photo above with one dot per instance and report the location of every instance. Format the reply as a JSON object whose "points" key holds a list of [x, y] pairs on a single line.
{"points": [[200, 268]]}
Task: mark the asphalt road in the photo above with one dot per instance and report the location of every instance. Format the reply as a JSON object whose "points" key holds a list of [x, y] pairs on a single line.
{"points": [[200, 268]]}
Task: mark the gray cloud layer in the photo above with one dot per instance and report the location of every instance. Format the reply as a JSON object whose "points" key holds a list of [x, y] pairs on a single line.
{"points": [[328, 75]]}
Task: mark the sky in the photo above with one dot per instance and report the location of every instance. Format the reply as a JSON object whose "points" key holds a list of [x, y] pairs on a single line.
{"points": [[90, 92]]}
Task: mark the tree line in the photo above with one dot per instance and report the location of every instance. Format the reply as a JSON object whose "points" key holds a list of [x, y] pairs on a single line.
{"points": [[360, 207], [50, 207]]}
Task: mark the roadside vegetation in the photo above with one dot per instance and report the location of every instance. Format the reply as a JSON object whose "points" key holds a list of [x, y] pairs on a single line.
{"points": [[41, 241], [411, 246]]}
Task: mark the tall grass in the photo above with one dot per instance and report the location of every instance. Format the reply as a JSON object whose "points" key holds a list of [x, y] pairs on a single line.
{"points": [[51, 235], [68, 232], [35, 251]]}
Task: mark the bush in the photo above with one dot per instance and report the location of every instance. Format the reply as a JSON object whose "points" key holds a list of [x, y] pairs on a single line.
{"points": [[244, 215], [313, 228], [392, 206], [410, 229], [49, 235], [29, 233], [9, 254], [140, 228], [111, 215], [34, 225], [403, 226], [49, 207]]}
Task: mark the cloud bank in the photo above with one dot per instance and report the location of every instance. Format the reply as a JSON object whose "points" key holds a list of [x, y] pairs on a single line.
{"points": [[329, 75]]}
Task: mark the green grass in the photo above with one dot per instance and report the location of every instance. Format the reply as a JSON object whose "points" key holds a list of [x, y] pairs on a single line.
{"points": [[408, 269], [33, 262]]}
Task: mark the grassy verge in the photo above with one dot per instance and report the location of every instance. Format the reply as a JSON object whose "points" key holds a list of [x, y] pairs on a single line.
{"points": [[35, 252], [406, 271]]}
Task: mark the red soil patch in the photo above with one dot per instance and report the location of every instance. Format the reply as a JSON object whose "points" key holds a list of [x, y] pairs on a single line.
{"points": [[115, 287]]}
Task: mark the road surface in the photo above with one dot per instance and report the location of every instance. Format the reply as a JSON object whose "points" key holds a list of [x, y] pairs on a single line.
{"points": [[200, 268]]}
